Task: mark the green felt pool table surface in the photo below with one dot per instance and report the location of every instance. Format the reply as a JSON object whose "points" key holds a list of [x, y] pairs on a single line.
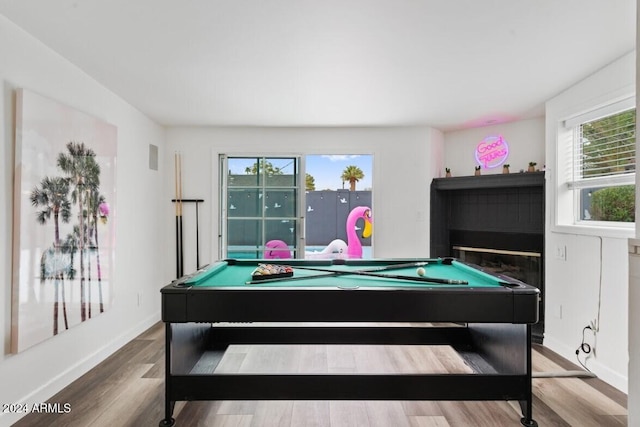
{"points": [[234, 273], [220, 292]]}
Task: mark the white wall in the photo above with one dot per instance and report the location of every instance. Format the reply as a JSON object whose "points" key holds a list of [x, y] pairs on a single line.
{"points": [[633, 403], [40, 371], [592, 283], [525, 139], [404, 162]]}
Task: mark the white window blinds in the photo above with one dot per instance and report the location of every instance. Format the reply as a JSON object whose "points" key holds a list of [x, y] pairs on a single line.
{"points": [[604, 149]]}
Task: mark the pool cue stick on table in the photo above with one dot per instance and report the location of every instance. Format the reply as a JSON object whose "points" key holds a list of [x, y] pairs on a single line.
{"points": [[332, 274], [373, 272], [389, 276]]}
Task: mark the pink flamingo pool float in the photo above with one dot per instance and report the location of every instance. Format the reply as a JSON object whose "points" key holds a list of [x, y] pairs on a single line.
{"points": [[335, 249], [277, 249], [354, 246]]}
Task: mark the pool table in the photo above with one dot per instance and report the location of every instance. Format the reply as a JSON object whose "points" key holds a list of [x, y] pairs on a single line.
{"points": [[485, 317]]}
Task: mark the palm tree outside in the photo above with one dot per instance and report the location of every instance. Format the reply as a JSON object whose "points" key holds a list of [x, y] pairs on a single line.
{"points": [[352, 174], [263, 166], [310, 182]]}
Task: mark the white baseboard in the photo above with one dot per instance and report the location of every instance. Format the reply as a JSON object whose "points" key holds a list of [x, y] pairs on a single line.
{"points": [[615, 379]]}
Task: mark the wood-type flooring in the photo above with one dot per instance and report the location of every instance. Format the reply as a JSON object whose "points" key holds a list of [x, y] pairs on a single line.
{"points": [[127, 390]]}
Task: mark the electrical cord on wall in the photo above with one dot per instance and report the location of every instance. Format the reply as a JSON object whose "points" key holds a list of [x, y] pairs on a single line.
{"points": [[584, 348], [596, 327]]}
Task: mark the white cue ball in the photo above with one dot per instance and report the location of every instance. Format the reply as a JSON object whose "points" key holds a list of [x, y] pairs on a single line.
{"points": [[421, 272]]}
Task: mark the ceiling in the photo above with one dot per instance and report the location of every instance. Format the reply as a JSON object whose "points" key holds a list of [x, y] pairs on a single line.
{"points": [[446, 64]]}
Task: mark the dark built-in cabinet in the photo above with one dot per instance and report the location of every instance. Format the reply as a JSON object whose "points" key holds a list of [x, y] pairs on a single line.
{"points": [[495, 221]]}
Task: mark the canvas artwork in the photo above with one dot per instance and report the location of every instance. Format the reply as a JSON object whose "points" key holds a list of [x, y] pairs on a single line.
{"points": [[64, 219]]}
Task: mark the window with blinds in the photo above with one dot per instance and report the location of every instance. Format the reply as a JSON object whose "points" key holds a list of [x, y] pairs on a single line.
{"points": [[604, 166]]}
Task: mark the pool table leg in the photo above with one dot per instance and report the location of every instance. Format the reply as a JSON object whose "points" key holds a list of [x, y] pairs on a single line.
{"points": [[168, 420], [527, 405]]}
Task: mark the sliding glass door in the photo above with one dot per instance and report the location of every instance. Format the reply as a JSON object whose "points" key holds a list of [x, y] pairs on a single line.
{"points": [[261, 207]]}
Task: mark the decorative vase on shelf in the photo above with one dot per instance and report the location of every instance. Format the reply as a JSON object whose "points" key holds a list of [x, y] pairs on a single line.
{"points": [[477, 173], [505, 168], [532, 167], [447, 173]]}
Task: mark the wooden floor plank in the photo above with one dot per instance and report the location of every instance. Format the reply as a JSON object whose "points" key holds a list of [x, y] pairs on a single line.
{"points": [[417, 408], [558, 393], [387, 413], [479, 414], [604, 388], [348, 414], [428, 421], [273, 414], [311, 414]]}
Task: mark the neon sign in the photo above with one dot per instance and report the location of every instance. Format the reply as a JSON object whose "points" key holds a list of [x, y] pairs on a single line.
{"points": [[492, 151]]}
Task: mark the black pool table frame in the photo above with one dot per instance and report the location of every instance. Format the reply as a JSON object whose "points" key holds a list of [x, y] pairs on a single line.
{"points": [[490, 328]]}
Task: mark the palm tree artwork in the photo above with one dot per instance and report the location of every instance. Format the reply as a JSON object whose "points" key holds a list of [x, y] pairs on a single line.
{"points": [[84, 172], [352, 174], [99, 212], [70, 246], [64, 210], [55, 199], [52, 198]]}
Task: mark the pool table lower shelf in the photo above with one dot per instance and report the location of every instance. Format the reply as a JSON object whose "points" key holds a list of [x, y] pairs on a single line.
{"points": [[498, 356]]}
